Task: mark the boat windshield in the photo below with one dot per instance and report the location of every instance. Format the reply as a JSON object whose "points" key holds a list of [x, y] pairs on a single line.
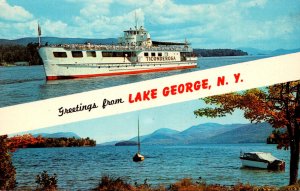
{"points": [[267, 156]]}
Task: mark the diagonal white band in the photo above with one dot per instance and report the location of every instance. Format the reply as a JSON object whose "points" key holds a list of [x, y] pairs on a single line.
{"points": [[151, 93]]}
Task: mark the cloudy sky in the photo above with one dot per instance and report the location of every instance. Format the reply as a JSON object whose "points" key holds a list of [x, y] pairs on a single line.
{"points": [[264, 24]]}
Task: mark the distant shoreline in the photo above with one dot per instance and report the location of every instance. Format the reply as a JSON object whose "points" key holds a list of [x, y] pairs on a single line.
{"points": [[12, 64]]}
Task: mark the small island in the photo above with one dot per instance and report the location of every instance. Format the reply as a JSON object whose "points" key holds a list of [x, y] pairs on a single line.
{"points": [[126, 143]]}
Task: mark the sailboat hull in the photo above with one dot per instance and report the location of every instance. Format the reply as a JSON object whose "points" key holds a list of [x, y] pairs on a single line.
{"points": [[138, 157]]}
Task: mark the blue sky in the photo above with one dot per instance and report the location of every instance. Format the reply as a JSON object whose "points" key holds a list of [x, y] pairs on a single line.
{"points": [[124, 126], [263, 24]]}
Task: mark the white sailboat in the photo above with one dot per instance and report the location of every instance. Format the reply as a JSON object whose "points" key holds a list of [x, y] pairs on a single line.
{"points": [[138, 157]]}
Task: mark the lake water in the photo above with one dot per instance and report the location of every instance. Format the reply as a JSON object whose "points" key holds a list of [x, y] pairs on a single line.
{"points": [[27, 83], [81, 168]]}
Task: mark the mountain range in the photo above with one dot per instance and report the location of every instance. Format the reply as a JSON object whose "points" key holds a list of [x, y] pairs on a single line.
{"points": [[57, 40], [254, 51], [207, 133], [58, 135]]}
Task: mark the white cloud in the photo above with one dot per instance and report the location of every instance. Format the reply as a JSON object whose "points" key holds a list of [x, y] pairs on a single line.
{"points": [[226, 23], [18, 29], [96, 8], [13, 13], [106, 26], [54, 28]]}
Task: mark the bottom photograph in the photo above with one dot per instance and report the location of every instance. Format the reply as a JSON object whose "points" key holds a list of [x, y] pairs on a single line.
{"points": [[236, 141]]}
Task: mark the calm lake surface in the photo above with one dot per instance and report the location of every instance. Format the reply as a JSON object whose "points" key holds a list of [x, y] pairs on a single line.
{"points": [[22, 84], [81, 168]]}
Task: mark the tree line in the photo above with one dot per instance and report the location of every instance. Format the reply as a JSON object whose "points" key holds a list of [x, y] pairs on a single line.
{"points": [[9, 54], [218, 52], [65, 142], [29, 141], [9, 145]]}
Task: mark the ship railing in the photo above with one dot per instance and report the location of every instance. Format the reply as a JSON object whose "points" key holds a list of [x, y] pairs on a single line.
{"points": [[120, 47]]}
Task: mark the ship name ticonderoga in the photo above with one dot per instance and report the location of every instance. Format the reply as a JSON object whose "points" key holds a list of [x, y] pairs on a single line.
{"points": [[160, 58]]}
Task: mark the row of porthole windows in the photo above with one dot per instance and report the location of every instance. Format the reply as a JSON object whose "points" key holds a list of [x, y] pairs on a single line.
{"points": [[75, 54], [152, 54], [158, 54], [79, 54]]}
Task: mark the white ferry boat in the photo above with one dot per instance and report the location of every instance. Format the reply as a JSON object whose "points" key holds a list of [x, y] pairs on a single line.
{"points": [[135, 53]]}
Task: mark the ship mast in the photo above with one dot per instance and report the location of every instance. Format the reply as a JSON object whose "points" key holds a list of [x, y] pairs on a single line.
{"points": [[136, 21]]}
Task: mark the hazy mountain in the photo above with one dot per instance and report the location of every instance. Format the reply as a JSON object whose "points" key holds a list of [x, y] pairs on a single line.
{"points": [[205, 131], [284, 51], [161, 136], [254, 51], [209, 133], [57, 40], [248, 133], [58, 135]]}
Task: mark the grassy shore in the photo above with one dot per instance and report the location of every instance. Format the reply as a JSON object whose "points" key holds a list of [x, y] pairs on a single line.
{"points": [[117, 184], [108, 183]]}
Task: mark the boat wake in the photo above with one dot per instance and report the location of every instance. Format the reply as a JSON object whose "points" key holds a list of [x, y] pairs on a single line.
{"points": [[16, 81]]}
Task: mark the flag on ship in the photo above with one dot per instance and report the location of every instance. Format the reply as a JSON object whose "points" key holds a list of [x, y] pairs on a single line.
{"points": [[39, 34], [39, 30]]}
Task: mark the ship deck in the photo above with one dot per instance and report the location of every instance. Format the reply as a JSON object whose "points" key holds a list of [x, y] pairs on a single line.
{"points": [[121, 48]]}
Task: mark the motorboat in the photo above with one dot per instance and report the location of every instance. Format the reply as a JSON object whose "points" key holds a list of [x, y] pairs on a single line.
{"points": [[262, 160]]}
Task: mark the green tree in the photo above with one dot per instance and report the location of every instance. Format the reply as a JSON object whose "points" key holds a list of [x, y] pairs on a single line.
{"points": [[7, 170], [32, 54], [46, 182], [278, 105]]}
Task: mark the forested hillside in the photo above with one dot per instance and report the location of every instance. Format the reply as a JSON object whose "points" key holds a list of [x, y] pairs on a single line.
{"points": [[9, 54], [218, 52]]}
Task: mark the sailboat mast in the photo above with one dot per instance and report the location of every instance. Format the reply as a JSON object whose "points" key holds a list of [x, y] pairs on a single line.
{"points": [[139, 145]]}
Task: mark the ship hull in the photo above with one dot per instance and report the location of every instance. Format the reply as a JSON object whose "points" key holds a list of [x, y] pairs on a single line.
{"points": [[68, 67], [100, 73]]}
